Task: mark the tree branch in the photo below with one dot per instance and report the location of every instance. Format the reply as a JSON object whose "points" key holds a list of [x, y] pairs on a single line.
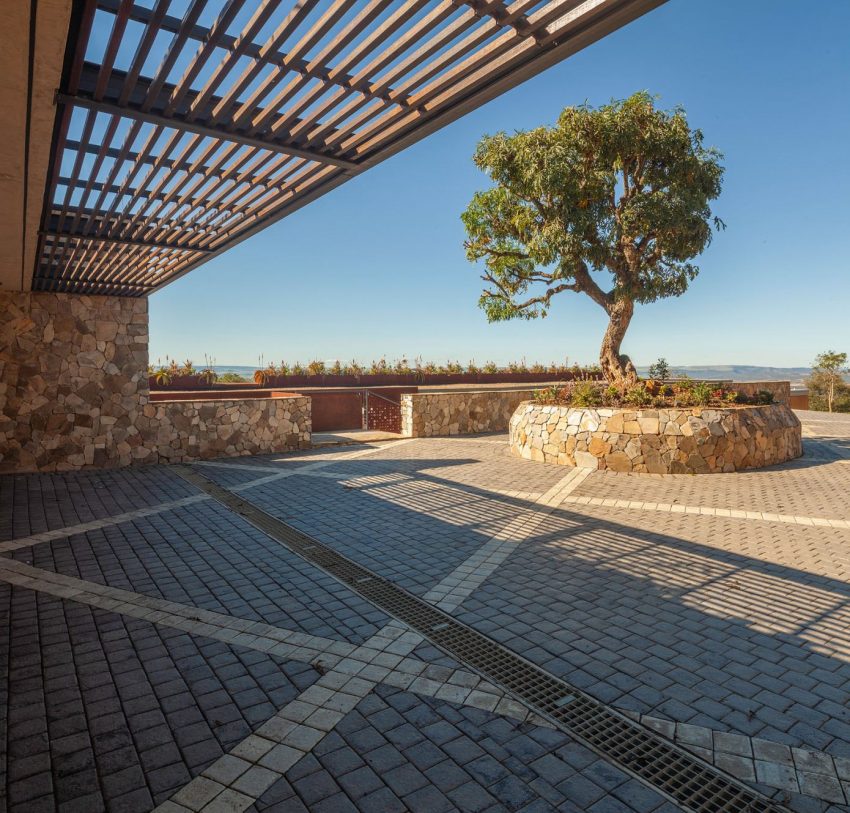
{"points": [[586, 284]]}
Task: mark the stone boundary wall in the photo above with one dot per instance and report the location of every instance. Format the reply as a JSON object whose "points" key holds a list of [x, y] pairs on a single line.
{"points": [[74, 393], [192, 430], [696, 440], [459, 413]]}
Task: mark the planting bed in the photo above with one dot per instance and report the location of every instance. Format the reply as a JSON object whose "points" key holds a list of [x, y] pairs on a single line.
{"points": [[683, 440]]}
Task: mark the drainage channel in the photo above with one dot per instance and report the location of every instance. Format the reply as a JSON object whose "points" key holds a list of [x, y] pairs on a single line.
{"points": [[682, 777]]}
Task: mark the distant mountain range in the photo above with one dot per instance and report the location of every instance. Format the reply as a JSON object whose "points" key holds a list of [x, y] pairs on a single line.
{"points": [[740, 372]]}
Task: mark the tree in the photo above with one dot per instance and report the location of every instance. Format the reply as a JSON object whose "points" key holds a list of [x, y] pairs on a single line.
{"points": [[623, 189], [827, 387]]}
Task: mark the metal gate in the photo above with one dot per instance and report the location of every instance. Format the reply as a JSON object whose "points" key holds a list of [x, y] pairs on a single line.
{"points": [[382, 411]]}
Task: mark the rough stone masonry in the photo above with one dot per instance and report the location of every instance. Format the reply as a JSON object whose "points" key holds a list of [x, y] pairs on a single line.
{"points": [[694, 440], [74, 393]]}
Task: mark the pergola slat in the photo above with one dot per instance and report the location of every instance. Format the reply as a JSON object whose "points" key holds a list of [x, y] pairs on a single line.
{"points": [[199, 134]]}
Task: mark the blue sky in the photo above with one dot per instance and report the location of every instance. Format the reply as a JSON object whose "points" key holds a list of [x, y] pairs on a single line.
{"points": [[377, 268]]}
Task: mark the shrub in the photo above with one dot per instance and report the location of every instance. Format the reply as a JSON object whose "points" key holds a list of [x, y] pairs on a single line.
{"points": [[232, 378], [548, 395], [490, 368], [764, 397], [639, 396], [702, 393], [586, 394], [316, 367]]}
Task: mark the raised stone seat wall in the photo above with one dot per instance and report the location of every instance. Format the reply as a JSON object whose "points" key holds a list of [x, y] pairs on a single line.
{"points": [[696, 440]]}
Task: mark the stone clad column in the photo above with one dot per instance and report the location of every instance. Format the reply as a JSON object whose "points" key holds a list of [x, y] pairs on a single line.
{"points": [[73, 381]]}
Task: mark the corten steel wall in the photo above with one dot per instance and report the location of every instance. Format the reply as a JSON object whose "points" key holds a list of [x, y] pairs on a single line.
{"points": [[800, 399], [74, 393], [217, 395], [781, 389], [336, 410]]}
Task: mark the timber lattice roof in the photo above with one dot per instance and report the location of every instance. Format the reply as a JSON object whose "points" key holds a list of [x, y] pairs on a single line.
{"points": [[185, 126]]}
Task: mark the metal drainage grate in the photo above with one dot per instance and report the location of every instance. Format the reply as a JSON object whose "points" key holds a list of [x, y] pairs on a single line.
{"points": [[677, 774]]}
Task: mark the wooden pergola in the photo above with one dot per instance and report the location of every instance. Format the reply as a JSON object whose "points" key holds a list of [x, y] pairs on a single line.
{"points": [[177, 137]]}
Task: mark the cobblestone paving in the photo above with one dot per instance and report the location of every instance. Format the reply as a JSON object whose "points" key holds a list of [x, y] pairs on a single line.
{"points": [[397, 752], [235, 676], [205, 556], [34, 503], [645, 620], [111, 712], [800, 487]]}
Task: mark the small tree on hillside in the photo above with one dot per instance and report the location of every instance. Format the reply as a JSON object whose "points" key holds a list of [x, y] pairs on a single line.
{"points": [[623, 189], [827, 387]]}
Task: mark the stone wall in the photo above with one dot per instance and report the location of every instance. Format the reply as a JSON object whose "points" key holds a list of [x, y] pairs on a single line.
{"points": [[73, 380], [74, 393], [659, 441], [458, 413], [192, 430]]}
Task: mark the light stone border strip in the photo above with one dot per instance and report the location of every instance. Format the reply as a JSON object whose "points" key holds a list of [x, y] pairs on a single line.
{"points": [[115, 519], [751, 759], [813, 773], [408, 673], [707, 511], [129, 516], [236, 780]]}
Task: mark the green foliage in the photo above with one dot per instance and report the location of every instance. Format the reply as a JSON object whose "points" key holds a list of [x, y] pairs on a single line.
{"points": [[586, 394], [231, 378], [548, 395], [163, 376], [702, 393], [490, 367], [639, 396], [828, 388], [660, 369], [316, 367], [624, 188]]}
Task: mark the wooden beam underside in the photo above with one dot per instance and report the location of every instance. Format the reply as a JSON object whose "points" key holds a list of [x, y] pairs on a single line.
{"points": [[155, 170]]}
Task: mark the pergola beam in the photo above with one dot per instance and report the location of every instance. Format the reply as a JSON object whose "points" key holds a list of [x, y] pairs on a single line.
{"points": [[307, 95], [219, 133]]}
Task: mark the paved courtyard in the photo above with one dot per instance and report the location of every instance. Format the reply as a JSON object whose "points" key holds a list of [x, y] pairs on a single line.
{"points": [[158, 650]]}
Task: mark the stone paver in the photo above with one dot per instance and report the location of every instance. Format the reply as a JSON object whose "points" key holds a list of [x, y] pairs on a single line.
{"points": [[104, 710], [395, 751], [205, 556], [725, 633]]}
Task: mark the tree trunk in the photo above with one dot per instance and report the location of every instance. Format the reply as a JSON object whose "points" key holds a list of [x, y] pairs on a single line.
{"points": [[617, 369]]}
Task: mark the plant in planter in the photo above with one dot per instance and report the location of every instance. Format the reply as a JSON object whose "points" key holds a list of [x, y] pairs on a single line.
{"points": [[623, 189], [490, 368], [163, 376], [316, 368]]}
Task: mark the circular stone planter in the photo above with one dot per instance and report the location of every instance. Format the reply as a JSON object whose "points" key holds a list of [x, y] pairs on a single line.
{"points": [[697, 440]]}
